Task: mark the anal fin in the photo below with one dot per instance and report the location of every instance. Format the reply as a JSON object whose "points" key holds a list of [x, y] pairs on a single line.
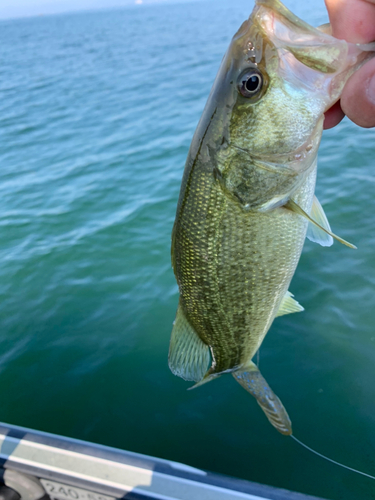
{"points": [[189, 357], [252, 380], [289, 305]]}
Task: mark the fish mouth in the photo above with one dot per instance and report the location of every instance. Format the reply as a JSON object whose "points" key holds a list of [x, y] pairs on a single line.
{"points": [[294, 162]]}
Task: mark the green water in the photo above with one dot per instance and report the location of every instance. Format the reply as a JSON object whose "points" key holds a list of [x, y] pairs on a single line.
{"points": [[97, 111]]}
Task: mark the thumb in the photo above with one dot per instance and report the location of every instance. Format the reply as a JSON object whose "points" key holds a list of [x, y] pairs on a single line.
{"points": [[358, 97], [354, 21]]}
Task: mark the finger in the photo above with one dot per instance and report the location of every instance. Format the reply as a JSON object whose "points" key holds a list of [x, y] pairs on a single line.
{"points": [[333, 116], [352, 20], [358, 97]]}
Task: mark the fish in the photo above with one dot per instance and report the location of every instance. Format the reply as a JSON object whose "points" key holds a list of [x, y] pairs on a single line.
{"points": [[247, 199]]}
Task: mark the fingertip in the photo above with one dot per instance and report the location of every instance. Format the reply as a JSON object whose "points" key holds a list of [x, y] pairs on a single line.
{"points": [[333, 116], [358, 97]]}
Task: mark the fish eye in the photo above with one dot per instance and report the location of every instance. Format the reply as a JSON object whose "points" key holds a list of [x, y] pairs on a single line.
{"points": [[250, 82]]}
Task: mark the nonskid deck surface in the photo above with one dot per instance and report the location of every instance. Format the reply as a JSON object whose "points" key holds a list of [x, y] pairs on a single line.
{"points": [[44, 466]]}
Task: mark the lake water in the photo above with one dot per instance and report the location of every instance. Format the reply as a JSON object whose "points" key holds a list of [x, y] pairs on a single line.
{"points": [[97, 111]]}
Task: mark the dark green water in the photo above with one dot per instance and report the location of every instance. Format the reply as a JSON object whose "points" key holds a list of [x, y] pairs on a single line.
{"points": [[97, 111]]}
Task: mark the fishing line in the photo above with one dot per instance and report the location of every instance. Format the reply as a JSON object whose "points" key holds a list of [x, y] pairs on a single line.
{"points": [[330, 459]]}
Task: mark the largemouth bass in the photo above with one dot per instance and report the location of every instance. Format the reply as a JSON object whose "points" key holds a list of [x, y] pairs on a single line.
{"points": [[247, 196]]}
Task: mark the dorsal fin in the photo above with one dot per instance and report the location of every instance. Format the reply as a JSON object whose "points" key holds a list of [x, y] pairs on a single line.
{"points": [[189, 357]]}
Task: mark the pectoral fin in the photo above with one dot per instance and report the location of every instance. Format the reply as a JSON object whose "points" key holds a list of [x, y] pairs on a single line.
{"points": [[189, 357], [289, 305], [253, 381], [294, 207], [314, 233]]}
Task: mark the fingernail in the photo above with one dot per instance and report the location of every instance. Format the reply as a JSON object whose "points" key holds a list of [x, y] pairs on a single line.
{"points": [[371, 90]]}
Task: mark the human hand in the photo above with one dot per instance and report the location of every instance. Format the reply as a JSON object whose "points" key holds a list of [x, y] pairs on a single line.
{"points": [[354, 21]]}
